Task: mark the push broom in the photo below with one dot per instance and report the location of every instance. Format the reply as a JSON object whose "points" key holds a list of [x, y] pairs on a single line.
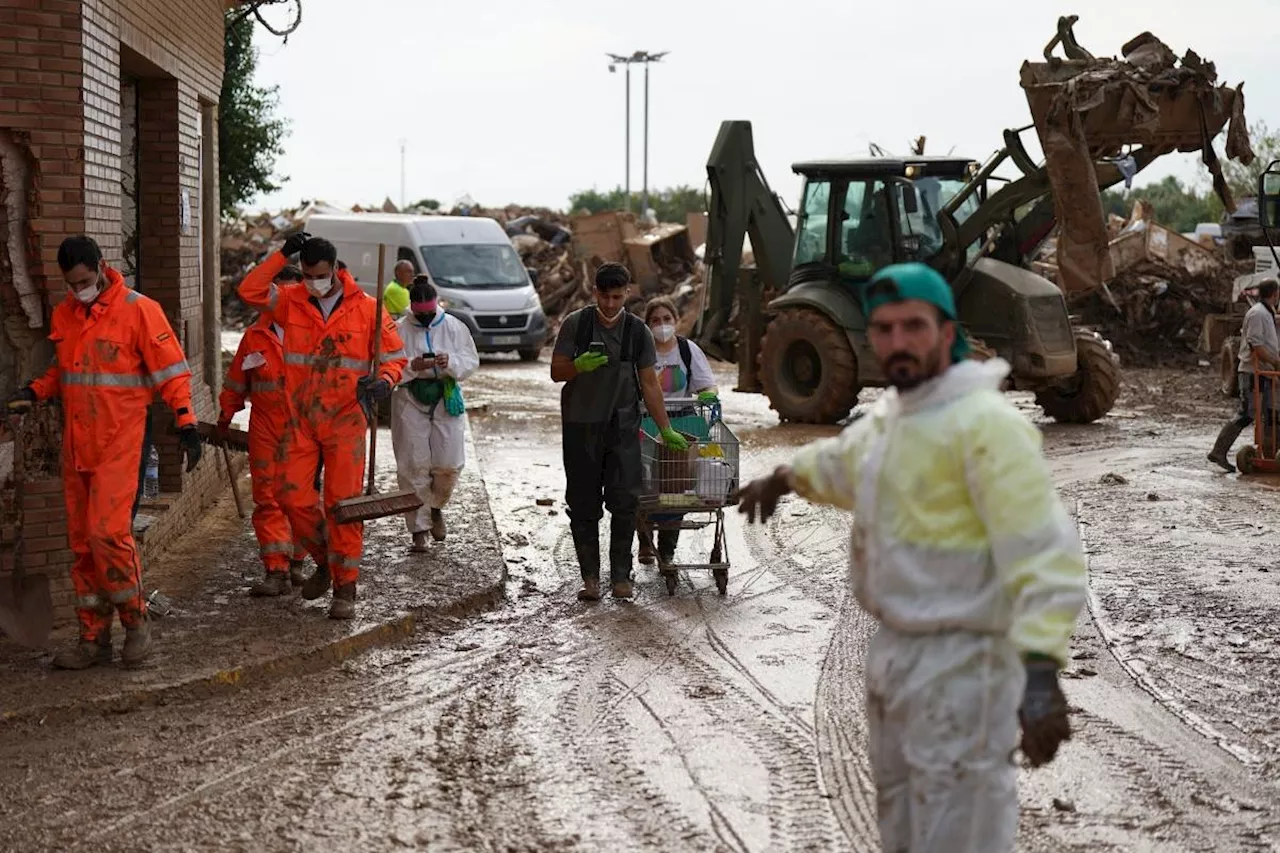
{"points": [[372, 505]]}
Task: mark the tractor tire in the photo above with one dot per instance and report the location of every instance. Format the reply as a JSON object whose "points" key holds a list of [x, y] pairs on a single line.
{"points": [[1091, 391], [808, 368]]}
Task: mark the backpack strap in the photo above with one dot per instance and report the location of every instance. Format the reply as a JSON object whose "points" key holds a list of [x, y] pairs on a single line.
{"points": [[686, 355], [586, 328]]}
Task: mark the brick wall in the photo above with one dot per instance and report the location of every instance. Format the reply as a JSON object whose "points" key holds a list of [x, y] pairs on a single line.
{"points": [[44, 529], [60, 102]]}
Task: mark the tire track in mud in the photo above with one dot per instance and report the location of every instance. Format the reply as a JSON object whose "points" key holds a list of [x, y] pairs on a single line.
{"points": [[798, 813]]}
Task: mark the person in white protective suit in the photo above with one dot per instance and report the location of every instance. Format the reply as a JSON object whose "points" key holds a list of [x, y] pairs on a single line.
{"points": [[966, 557], [428, 416]]}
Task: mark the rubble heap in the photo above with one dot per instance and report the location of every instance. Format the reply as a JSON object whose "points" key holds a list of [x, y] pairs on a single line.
{"points": [[1166, 292], [562, 251]]}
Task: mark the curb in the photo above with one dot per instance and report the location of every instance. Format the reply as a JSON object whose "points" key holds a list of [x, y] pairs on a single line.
{"points": [[481, 597]]}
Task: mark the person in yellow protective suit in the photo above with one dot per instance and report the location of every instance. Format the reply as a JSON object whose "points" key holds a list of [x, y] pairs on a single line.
{"points": [[965, 555], [395, 297]]}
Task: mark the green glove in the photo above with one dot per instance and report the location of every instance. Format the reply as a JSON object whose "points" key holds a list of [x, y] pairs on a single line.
{"points": [[590, 361], [674, 440], [708, 397]]}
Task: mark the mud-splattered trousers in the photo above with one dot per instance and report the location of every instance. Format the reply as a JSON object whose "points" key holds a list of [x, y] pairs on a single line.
{"points": [[323, 359], [963, 552], [430, 443], [256, 375], [111, 358]]}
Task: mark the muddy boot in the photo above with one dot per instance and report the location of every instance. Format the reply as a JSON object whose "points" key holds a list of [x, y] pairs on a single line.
{"points": [[316, 585], [667, 540], [137, 644], [621, 533], [647, 552], [275, 583], [84, 653], [344, 602], [1222, 446], [297, 576], [590, 590], [419, 545], [623, 590], [437, 525]]}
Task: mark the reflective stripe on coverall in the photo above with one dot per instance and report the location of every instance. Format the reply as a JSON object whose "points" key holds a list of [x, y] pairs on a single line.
{"points": [[963, 552], [322, 361], [263, 386], [429, 443], [111, 358]]}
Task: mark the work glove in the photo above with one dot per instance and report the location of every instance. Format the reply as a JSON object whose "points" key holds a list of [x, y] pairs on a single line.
{"points": [[189, 441], [673, 440], [1043, 714], [372, 389], [764, 493], [293, 245], [708, 397], [21, 400], [590, 361]]}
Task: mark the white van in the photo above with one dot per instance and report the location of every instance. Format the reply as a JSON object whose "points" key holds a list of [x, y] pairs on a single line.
{"points": [[470, 260]]}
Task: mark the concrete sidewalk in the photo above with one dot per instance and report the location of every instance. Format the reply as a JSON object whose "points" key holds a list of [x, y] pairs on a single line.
{"points": [[219, 637]]}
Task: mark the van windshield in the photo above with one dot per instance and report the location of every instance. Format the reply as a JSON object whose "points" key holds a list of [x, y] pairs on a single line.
{"points": [[476, 265]]}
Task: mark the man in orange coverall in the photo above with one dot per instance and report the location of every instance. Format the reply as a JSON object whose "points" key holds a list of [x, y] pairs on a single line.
{"points": [[114, 349], [328, 344], [257, 375]]}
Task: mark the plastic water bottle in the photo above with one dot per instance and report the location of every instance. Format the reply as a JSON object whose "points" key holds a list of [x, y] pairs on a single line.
{"points": [[151, 483]]}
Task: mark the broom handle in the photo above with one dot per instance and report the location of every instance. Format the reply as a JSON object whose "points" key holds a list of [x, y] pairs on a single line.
{"points": [[377, 357]]}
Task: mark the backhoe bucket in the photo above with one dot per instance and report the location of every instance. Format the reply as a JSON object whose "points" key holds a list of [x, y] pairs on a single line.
{"points": [[1087, 110]]}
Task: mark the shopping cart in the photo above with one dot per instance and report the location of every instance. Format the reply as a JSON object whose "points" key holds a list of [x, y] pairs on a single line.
{"points": [[689, 490], [1261, 456]]}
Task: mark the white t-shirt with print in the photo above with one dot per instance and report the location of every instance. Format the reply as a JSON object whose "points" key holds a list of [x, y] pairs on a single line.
{"points": [[671, 375]]}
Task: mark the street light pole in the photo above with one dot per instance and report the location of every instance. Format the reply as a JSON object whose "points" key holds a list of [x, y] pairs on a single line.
{"points": [[403, 200], [614, 61], [644, 197], [627, 196]]}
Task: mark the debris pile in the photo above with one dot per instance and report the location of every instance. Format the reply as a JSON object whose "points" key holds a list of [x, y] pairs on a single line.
{"points": [[563, 253], [1165, 291]]}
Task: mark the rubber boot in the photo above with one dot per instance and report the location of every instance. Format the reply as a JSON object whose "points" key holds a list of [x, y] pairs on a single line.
{"points": [[647, 552], [137, 644], [316, 585], [343, 605], [275, 583], [84, 653], [419, 545], [622, 529], [297, 576], [437, 525], [667, 540], [586, 543], [1222, 446]]}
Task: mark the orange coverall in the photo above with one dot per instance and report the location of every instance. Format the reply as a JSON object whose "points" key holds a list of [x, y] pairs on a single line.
{"points": [[262, 384], [322, 361], [110, 359]]}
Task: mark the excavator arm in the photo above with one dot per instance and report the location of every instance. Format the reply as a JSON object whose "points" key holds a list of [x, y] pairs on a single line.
{"points": [[741, 204]]}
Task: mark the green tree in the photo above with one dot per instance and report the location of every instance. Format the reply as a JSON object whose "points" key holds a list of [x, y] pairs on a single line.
{"points": [[1177, 206], [426, 204], [1242, 179], [669, 205], [249, 133]]}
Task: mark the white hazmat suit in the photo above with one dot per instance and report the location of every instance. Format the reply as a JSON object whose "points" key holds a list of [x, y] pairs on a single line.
{"points": [[965, 555], [429, 443]]}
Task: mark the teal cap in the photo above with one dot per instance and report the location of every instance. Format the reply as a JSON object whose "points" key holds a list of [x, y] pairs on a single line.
{"points": [[900, 282]]}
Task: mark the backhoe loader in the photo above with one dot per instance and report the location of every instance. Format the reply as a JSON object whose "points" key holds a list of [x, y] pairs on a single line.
{"points": [[794, 322]]}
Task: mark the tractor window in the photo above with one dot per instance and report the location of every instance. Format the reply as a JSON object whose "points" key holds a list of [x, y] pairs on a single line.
{"points": [[866, 238], [811, 230], [922, 238]]}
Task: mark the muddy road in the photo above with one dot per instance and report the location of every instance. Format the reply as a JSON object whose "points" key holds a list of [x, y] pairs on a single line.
{"points": [[702, 722]]}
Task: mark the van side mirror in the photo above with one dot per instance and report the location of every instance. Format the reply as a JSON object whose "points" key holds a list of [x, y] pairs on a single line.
{"points": [[533, 274], [1269, 196]]}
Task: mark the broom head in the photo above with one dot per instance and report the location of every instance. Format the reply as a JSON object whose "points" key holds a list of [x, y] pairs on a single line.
{"points": [[369, 507]]}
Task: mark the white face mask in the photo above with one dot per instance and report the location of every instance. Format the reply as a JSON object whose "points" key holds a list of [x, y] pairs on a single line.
{"points": [[615, 316], [664, 333], [88, 294], [319, 287]]}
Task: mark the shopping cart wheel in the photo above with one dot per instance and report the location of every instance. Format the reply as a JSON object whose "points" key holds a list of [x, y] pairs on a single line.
{"points": [[1245, 458], [722, 580], [672, 580]]}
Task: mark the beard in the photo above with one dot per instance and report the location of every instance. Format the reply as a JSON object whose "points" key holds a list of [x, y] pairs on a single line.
{"points": [[905, 371]]}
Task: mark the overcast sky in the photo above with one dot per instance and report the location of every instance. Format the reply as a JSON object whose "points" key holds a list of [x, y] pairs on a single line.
{"points": [[513, 101]]}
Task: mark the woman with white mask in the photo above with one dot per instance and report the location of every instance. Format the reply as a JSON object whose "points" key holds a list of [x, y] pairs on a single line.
{"points": [[683, 372]]}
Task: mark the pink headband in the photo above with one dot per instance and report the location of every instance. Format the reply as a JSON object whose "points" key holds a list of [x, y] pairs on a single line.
{"points": [[424, 307]]}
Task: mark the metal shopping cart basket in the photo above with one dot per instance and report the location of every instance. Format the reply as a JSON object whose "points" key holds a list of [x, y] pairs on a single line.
{"points": [[1262, 457], [688, 490]]}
